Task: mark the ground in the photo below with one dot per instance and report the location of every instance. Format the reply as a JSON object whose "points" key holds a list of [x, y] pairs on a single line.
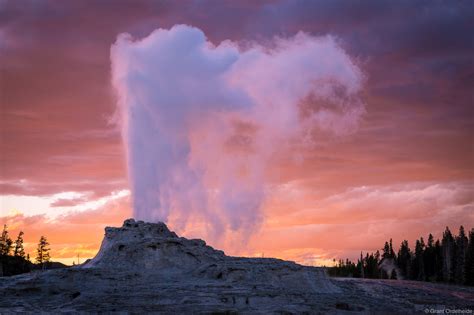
{"points": [[97, 291]]}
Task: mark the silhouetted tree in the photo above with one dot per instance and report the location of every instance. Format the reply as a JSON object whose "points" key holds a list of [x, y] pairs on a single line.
{"points": [[361, 266], [392, 253], [404, 259], [5, 242], [418, 263], [371, 266], [19, 250], [469, 266], [461, 249], [447, 245], [386, 250], [429, 259], [438, 261], [43, 252]]}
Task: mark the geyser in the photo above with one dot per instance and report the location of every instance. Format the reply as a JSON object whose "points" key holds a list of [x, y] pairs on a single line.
{"points": [[201, 122]]}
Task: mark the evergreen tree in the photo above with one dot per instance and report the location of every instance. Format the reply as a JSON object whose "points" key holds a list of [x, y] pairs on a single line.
{"points": [[404, 259], [447, 245], [392, 253], [43, 252], [5, 242], [19, 249], [469, 266], [386, 250], [418, 263], [429, 259], [460, 259], [438, 261], [362, 273], [371, 266]]}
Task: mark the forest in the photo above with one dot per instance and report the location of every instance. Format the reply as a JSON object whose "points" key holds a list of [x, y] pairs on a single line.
{"points": [[450, 260]]}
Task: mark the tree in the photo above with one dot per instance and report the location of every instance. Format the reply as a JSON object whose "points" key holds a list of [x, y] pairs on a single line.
{"points": [[447, 245], [469, 266], [438, 262], [429, 259], [392, 253], [371, 266], [5, 242], [404, 259], [43, 252], [362, 274], [19, 249], [386, 250], [461, 243], [418, 263]]}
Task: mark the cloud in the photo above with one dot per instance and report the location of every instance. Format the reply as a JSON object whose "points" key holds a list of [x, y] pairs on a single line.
{"points": [[342, 224], [201, 121]]}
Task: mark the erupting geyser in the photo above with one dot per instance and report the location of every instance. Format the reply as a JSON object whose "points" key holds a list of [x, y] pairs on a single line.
{"points": [[201, 121]]}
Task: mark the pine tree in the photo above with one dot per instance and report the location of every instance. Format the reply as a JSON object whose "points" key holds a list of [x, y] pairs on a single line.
{"points": [[429, 259], [392, 253], [362, 273], [404, 259], [447, 245], [386, 250], [19, 249], [5, 242], [461, 249], [438, 261], [418, 263], [371, 266], [43, 252], [469, 266]]}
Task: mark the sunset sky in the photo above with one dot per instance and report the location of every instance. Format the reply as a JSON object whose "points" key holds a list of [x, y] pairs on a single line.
{"points": [[397, 162]]}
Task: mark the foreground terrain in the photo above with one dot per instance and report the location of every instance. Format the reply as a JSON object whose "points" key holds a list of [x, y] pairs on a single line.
{"points": [[144, 267]]}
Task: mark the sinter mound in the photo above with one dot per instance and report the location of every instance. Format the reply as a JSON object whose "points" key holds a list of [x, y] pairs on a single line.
{"points": [[152, 248]]}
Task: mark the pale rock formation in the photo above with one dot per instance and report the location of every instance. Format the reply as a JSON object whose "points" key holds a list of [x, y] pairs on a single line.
{"points": [[152, 248]]}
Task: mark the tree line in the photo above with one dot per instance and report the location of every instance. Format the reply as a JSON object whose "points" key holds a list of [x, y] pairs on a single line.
{"points": [[14, 260], [450, 260]]}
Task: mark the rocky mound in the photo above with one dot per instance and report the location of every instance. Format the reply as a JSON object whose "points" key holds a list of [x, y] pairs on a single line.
{"points": [[152, 248], [145, 268]]}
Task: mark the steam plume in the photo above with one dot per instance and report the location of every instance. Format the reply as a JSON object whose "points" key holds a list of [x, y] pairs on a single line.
{"points": [[202, 122]]}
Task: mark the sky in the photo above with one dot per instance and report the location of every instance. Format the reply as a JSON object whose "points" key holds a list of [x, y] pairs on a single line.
{"points": [[402, 168]]}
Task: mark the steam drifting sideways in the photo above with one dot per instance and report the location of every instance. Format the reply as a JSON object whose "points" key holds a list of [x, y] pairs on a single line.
{"points": [[202, 123]]}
